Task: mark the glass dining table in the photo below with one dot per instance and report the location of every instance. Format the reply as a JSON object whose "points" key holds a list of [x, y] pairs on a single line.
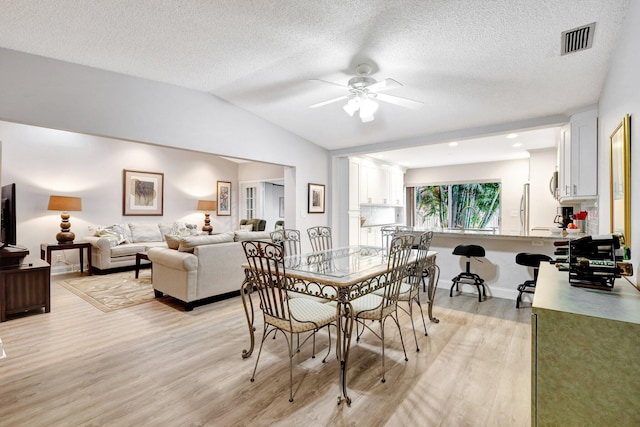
{"points": [[339, 275]]}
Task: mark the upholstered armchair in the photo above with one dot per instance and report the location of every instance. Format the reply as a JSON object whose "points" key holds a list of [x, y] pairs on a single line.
{"points": [[258, 224]]}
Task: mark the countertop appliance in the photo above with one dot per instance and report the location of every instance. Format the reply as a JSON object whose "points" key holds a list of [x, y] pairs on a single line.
{"points": [[564, 216]]}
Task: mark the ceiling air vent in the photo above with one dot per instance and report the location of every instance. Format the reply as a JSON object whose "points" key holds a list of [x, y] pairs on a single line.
{"points": [[578, 39]]}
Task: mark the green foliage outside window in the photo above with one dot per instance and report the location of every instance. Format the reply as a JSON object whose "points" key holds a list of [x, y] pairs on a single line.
{"points": [[459, 206]]}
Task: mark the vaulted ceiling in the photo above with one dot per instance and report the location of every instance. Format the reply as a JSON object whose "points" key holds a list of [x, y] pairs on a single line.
{"points": [[473, 63]]}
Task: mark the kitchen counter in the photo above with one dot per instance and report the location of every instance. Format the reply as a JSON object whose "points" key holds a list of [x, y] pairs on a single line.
{"points": [[498, 267], [585, 350], [504, 235]]}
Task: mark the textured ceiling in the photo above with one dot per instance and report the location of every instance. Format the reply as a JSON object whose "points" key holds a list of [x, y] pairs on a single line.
{"points": [[474, 64]]}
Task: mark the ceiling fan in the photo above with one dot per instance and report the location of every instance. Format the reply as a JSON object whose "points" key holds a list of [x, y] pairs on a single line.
{"points": [[364, 91]]}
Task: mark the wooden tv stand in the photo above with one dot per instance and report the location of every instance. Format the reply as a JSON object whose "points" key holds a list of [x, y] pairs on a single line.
{"points": [[25, 287], [11, 256]]}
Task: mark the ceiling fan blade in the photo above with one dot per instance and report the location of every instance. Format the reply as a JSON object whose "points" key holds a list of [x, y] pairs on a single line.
{"points": [[402, 102], [385, 84], [331, 83], [330, 101]]}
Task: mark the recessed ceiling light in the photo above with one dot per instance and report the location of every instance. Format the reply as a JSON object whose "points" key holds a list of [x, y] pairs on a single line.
{"points": [[512, 135], [453, 144], [517, 144]]}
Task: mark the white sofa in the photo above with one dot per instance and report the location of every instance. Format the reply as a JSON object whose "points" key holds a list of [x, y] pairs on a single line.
{"points": [[201, 267], [115, 246]]}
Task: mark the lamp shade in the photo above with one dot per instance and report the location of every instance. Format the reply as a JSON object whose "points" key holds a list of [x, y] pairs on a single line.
{"points": [[65, 203], [207, 205]]}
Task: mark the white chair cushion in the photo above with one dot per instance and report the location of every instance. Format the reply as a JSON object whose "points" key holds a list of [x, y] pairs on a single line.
{"points": [[406, 291], [366, 302], [306, 315]]}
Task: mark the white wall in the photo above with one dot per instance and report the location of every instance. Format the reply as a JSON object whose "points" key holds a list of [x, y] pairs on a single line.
{"points": [[620, 96], [543, 208], [44, 162], [60, 95], [512, 174], [253, 171], [272, 195]]}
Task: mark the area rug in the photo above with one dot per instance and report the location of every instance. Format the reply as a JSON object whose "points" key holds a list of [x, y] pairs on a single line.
{"points": [[112, 291]]}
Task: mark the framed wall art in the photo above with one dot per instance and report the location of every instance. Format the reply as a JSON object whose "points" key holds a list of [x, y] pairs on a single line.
{"points": [[316, 198], [620, 179], [142, 193], [224, 198]]}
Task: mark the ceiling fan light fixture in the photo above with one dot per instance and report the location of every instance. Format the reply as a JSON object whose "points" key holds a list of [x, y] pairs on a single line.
{"points": [[352, 106], [366, 119], [368, 107]]}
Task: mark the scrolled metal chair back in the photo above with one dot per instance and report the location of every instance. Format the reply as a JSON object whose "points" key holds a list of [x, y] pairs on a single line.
{"points": [[289, 240], [320, 238], [399, 251], [388, 232], [423, 250], [266, 264]]}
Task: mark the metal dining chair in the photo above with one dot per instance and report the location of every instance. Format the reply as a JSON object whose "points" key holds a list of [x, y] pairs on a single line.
{"points": [[384, 306], [320, 238], [289, 240], [417, 273], [280, 312], [388, 232]]}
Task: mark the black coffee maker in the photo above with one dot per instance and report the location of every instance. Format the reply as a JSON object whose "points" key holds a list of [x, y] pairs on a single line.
{"points": [[564, 217]]}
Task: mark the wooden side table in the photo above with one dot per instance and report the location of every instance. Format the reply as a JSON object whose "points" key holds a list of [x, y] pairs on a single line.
{"points": [[139, 257], [47, 248], [25, 287]]}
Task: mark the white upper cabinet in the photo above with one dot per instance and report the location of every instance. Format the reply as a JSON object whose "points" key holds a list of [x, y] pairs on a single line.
{"points": [[397, 187], [578, 158], [377, 184]]}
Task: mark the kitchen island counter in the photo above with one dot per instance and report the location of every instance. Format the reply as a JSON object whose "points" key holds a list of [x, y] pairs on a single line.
{"points": [[498, 267], [542, 235], [585, 350]]}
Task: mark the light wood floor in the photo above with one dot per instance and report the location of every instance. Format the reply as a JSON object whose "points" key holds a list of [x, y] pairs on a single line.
{"points": [[156, 365]]}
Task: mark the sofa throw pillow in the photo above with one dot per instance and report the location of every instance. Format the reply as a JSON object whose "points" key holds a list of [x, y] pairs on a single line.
{"points": [[141, 232], [111, 235], [246, 227], [115, 234], [187, 244], [180, 229], [165, 228], [173, 242]]}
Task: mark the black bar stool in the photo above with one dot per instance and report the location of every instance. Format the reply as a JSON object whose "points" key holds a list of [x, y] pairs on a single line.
{"points": [[467, 276], [533, 261]]}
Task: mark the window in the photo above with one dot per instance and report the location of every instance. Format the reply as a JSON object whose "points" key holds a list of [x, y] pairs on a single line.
{"points": [[250, 202], [458, 205]]}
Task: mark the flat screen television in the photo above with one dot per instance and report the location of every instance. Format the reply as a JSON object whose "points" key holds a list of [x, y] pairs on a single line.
{"points": [[8, 221]]}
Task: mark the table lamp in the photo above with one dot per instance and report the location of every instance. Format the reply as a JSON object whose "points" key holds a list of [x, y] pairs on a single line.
{"points": [[206, 206], [65, 204]]}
